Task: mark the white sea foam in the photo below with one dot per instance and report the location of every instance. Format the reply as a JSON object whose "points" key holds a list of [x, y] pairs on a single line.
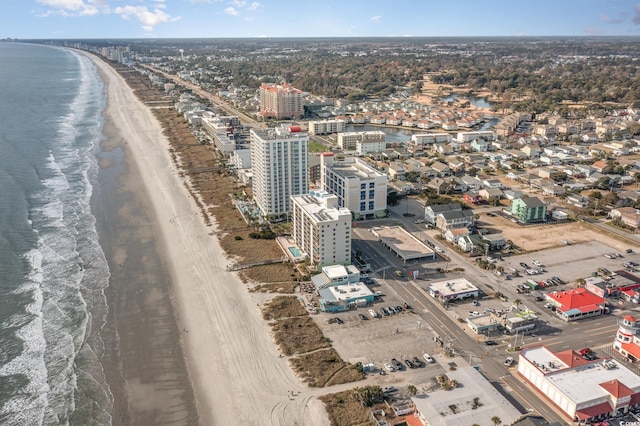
{"points": [[68, 272]]}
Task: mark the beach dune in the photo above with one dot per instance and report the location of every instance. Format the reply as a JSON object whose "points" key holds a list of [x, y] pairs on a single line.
{"points": [[233, 363]]}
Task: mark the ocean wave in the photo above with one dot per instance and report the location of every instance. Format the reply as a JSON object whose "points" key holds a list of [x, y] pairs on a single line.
{"points": [[68, 274]]}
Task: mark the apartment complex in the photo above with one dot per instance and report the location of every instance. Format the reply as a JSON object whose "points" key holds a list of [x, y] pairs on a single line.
{"points": [[326, 126], [279, 163], [280, 101], [358, 186], [349, 140], [321, 228]]}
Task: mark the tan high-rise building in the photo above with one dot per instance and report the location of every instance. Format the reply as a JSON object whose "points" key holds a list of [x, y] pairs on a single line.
{"points": [[280, 101]]}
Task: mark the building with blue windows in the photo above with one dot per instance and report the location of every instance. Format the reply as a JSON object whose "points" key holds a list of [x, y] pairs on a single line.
{"points": [[358, 186]]}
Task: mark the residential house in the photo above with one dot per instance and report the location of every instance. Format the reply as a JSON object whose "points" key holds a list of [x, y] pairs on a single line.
{"points": [[454, 219], [442, 169], [578, 200], [553, 189], [491, 194], [440, 185], [479, 145], [397, 171], [601, 167], [472, 197], [430, 212], [495, 241], [531, 151], [630, 216], [512, 194], [473, 183], [529, 209], [491, 183], [454, 234]]}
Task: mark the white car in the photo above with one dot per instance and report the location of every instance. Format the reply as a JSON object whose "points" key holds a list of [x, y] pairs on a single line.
{"points": [[438, 249], [389, 389], [536, 262], [389, 367], [373, 313], [428, 358], [508, 362]]}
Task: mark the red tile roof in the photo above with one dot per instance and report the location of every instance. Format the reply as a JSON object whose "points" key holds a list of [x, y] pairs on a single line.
{"points": [[632, 348], [617, 389], [594, 410], [571, 358]]}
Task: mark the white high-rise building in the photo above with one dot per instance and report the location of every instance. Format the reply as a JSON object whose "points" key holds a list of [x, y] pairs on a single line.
{"points": [[358, 186], [321, 228], [279, 163]]}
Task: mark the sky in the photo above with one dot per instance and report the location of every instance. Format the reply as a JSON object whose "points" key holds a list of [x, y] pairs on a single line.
{"points": [[72, 19]]}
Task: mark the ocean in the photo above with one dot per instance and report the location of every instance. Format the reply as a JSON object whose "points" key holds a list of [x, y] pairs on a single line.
{"points": [[53, 271]]}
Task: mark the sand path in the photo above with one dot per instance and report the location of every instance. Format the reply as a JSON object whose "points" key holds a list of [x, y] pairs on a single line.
{"points": [[233, 363]]}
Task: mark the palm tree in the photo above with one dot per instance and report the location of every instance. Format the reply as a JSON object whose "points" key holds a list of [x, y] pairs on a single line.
{"points": [[496, 420], [517, 302]]}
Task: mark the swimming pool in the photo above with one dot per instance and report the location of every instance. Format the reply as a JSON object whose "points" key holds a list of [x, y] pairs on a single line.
{"points": [[295, 251]]}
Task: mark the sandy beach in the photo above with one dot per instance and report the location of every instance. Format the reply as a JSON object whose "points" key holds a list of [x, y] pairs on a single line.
{"points": [[233, 365]]}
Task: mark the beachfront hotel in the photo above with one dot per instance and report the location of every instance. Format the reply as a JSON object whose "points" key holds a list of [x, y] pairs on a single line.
{"points": [[279, 163], [280, 101], [321, 228], [358, 186]]}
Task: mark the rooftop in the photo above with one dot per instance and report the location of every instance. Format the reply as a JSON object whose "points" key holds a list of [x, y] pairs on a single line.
{"points": [[597, 378], [448, 287], [402, 242], [355, 168], [578, 298]]}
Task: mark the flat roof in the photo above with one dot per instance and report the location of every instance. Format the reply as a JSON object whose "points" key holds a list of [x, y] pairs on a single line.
{"points": [[402, 242], [354, 167], [451, 287], [346, 292], [568, 369], [476, 401], [335, 271]]}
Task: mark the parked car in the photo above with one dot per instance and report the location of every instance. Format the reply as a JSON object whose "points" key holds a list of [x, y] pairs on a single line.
{"points": [[417, 362], [508, 362], [428, 358], [407, 306], [389, 367], [409, 363], [438, 249], [490, 342], [399, 309], [363, 317], [384, 312], [399, 273], [475, 302], [389, 389], [397, 364], [391, 310], [339, 320], [536, 262], [629, 250], [524, 265]]}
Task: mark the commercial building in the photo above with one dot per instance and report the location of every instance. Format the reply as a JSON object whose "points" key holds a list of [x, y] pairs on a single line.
{"points": [[420, 139], [575, 304], [456, 289], [326, 126], [471, 399], [340, 288], [358, 186], [321, 228], [349, 140], [486, 135], [402, 243], [241, 159], [280, 101], [279, 164], [583, 390]]}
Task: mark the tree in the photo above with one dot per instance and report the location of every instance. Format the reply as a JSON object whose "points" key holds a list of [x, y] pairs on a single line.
{"points": [[368, 395], [496, 420], [412, 390]]}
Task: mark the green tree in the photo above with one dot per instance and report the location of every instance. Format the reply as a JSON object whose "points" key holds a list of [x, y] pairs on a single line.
{"points": [[412, 390]]}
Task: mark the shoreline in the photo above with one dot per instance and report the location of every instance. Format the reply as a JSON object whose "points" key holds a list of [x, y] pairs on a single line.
{"points": [[233, 363]]}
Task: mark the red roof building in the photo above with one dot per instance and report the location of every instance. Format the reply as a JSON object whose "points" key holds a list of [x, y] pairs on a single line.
{"points": [[577, 304], [627, 341]]}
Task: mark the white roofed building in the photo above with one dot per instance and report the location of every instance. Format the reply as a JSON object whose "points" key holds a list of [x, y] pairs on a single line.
{"points": [[583, 390]]}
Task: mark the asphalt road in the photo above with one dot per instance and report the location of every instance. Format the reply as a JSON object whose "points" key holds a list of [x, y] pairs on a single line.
{"points": [[597, 333]]}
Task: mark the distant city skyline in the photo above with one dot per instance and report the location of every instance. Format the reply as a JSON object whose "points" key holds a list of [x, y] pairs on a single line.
{"points": [[69, 19]]}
